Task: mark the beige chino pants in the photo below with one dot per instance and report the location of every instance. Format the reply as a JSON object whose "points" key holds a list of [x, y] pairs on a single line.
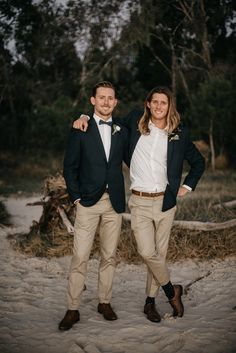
{"points": [[86, 223], [151, 229]]}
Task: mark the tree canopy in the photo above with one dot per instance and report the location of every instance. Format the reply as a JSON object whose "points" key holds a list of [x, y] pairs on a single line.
{"points": [[52, 54]]}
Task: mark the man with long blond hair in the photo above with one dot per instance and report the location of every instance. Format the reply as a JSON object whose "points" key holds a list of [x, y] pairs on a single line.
{"points": [[157, 150]]}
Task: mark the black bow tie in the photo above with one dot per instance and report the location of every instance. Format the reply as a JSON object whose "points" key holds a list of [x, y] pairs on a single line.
{"points": [[105, 122]]}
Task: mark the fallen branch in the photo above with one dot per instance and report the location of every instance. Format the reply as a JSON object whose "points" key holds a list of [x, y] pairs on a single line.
{"points": [[65, 220], [205, 226], [187, 287], [36, 203], [196, 225], [229, 204]]}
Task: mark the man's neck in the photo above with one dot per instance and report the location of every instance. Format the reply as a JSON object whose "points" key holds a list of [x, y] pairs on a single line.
{"points": [[161, 124], [103, 117]]}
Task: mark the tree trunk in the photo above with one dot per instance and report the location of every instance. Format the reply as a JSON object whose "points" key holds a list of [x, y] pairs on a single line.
{"points": [[173, 68], [205, 42], [185, 84], [13, 137], [212, 148]]}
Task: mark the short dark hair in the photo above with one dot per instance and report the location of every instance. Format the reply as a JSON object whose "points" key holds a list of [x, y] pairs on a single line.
{"points": [[106, 84]]}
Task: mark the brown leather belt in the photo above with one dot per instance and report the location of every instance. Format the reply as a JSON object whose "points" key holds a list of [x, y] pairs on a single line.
{"points": [[147, 194]]}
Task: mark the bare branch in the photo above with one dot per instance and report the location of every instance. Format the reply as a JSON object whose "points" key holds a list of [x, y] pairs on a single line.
{"points": [[196, 225], [65, 220], [229, 204]]}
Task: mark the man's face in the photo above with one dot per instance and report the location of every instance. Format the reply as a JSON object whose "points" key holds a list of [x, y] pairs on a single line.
{"points": [[159, 106], [104, 102]]}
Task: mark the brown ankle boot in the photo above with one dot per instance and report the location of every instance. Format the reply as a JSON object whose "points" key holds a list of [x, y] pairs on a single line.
{"points": [[107, 311], [70, 318], [151, 312], [176, 303]]}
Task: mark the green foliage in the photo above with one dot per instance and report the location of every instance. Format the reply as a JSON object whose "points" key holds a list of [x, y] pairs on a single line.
{"points": [[52, 54], [49, 125], [215, 102]]}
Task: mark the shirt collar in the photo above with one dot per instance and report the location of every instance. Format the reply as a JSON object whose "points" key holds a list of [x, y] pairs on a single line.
{"points": [[153, 126], [97, 118]]}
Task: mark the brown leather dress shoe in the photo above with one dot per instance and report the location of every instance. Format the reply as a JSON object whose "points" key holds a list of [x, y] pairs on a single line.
{"points": [[151, 312], [107, 311], [176, 302], [70, 318]]}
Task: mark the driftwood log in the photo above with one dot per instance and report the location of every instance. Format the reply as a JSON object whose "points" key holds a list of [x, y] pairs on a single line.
{"points": [[196, 225], [229, 204], [65, 220]]}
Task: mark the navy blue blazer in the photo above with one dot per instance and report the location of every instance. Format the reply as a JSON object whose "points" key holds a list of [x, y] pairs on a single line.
{"points": [[178, 150], [87, 171]]}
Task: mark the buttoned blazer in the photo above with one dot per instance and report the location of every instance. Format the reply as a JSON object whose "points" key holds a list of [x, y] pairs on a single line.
{"points": [[179, 149], [86, 170]]}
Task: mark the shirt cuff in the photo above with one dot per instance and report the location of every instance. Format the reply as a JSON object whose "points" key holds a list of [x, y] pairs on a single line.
{"points": [[84, 116], [187, 187], [76, 201]]}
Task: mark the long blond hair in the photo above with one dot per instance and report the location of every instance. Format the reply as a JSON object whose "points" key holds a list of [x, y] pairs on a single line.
{"points": [[172, 119]]}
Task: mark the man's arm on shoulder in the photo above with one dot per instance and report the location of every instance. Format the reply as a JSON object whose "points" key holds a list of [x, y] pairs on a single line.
{"points": [[82, 122], [131, 118], [126, 158]]}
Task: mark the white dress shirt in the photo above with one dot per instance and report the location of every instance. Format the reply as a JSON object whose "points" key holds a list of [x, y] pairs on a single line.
{"points": [[105, 133], [148, 169]]}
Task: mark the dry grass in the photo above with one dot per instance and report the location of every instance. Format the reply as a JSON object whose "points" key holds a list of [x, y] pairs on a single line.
{"points": [[54, 240], [201, 245], [183, 244]]}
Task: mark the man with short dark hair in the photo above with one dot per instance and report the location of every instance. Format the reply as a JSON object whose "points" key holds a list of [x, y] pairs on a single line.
{"points": [[95, 183]]}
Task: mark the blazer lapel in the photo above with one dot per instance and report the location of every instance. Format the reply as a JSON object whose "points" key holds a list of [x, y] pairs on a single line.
{"points": [[170, 150], [173, 146], [97, 138], [114, 139]]}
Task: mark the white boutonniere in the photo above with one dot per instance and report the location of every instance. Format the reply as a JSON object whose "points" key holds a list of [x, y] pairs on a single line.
{"points": [[174, 135], [116, 129]]}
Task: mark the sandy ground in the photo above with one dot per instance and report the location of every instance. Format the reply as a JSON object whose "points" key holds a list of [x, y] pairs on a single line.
{"points": [[33, 301]]}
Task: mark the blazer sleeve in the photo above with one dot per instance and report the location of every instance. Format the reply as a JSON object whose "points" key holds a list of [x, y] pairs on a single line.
{"points": [[130, 119], [196, 162], [71, 164], [126, 157]]}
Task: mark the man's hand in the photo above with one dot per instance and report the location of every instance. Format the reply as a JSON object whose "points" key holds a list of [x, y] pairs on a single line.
{"points": [[81, 123], [182, 191]]}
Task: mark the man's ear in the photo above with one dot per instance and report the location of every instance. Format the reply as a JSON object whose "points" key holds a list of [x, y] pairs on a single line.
{"points": [[92, 100]]}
